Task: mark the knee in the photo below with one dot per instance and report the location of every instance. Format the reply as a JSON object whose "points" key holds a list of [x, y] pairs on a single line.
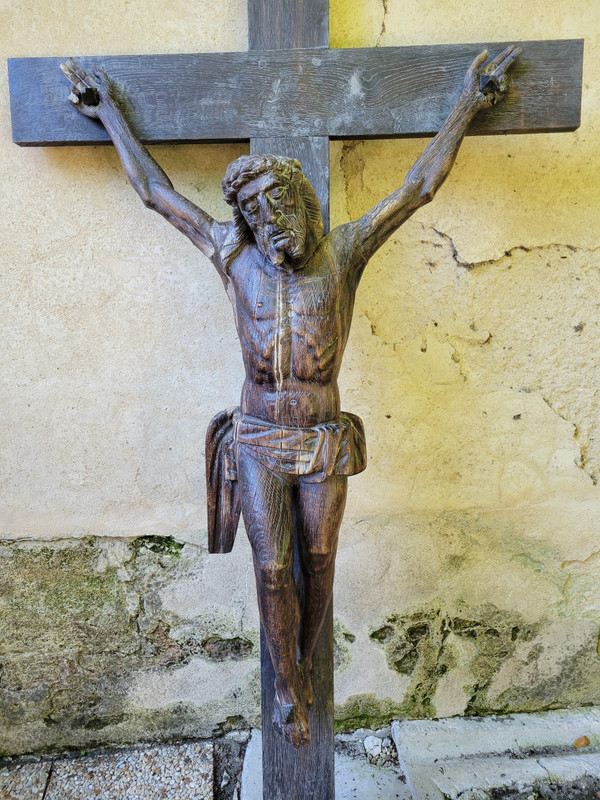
{"points": [[319, 563], [272, 575]]}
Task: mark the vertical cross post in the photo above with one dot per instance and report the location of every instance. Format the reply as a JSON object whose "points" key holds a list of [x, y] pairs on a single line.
{"points": [[308, 773]]}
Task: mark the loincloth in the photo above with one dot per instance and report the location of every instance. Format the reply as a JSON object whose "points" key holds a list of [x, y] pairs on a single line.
{"points": [[316, 453], [331, 448]]}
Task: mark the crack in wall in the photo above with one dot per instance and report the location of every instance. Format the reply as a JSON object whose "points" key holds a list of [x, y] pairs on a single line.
{"points": [[449, 241], [489, 262], [589, 558], [382, 31], [582, 462], [374, 329], [527, 352]]}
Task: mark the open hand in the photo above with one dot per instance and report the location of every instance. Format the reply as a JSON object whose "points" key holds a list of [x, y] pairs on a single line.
{"points": [[88, 94], [486, 87]]}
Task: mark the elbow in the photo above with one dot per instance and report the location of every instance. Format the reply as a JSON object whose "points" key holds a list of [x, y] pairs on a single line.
{"points": [[423, 196], [430, 186], [145, 192], [426, 195], [421, 191], [148, 197], [148, 192], [429, 189]]}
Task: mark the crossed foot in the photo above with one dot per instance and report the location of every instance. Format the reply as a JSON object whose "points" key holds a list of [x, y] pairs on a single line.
{"points": [[290, 707]]}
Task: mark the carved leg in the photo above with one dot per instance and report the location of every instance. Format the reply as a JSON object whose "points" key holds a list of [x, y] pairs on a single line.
{"points": [[267, 510], [320, 511]]}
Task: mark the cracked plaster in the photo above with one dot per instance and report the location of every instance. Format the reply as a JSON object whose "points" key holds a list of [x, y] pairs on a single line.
{"points": [[90, 653], [382, 32]]}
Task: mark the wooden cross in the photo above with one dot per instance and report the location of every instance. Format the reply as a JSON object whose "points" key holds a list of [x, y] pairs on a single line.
{"points": [[288, 95]]}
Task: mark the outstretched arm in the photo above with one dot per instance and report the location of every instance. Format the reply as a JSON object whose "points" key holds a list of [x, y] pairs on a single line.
{"points": [[481, 89], [94, 96]]}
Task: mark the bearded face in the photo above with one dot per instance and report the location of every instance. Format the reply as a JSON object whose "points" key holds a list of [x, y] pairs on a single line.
{"points": [[276, 215]]}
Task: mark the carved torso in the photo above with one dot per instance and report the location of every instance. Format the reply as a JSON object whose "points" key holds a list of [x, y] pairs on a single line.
{"points": [[293, 326]]}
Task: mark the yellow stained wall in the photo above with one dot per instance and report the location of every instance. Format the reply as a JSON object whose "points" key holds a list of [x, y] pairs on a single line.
{"points": [[472, 361]]}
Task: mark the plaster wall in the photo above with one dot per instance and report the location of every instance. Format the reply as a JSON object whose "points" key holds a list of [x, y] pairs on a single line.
{"points": [[469, 561]]}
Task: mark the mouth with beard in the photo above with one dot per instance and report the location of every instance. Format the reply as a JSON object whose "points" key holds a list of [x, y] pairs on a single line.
{"points": [[285, 238]]}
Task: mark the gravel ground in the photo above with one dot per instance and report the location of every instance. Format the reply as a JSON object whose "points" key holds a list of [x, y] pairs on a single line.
{"points": [[177, 773], [180, 772], [185, 772], [24, 781]]}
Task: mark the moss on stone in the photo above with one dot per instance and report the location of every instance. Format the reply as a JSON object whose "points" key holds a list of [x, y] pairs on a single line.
{"points": [[425, 646], [220, 648], [234, 723], [365, 711], [53, 602], [419, 644], [81, 621], [166, 545], [342, 639], [576, 684]]}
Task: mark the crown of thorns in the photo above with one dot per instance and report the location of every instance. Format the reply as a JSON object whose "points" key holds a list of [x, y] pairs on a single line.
{"points": [[246, 168]]}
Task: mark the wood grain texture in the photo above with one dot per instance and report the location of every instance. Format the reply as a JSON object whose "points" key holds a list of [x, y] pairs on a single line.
{"points": [[290, 774], [312, 152], [353, 93], [287, 24]]}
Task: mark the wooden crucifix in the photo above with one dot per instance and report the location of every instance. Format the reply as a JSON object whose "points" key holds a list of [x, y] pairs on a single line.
{"points": [[283, 458]]}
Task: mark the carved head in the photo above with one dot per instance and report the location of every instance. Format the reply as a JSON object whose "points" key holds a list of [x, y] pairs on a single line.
{"points": [[274, 202]]}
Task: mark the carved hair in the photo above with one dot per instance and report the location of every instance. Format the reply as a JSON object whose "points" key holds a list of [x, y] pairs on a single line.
{"points": [[246, 168]]}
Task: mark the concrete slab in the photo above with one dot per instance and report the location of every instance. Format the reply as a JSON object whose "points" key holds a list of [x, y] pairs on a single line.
{"points": [[573, 767], [356, 779], [451, 759], [456, 777], [24, 781], [251, 783], [444, 759]]}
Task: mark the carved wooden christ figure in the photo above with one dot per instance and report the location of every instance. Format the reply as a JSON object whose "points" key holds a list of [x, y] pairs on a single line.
{"points": [[285, 455]]}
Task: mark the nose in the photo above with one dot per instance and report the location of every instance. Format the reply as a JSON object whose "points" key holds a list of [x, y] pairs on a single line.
{"points": [[268, 211]]}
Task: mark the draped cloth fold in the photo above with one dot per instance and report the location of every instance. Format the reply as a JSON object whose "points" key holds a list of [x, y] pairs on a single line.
{"points": [[222, 489], [331, 448]]}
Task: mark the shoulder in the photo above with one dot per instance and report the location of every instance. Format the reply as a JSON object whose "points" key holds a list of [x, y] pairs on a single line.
{"points": [[228, 246], [243, 265], [344, 245]]}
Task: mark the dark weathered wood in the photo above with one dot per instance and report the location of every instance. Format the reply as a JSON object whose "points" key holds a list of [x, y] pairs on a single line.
{"points": [[290, 774], [287, 24], [357, 93], [312, 152]]}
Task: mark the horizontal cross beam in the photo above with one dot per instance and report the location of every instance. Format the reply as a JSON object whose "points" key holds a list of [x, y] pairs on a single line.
{"points": [[341, 93]]}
